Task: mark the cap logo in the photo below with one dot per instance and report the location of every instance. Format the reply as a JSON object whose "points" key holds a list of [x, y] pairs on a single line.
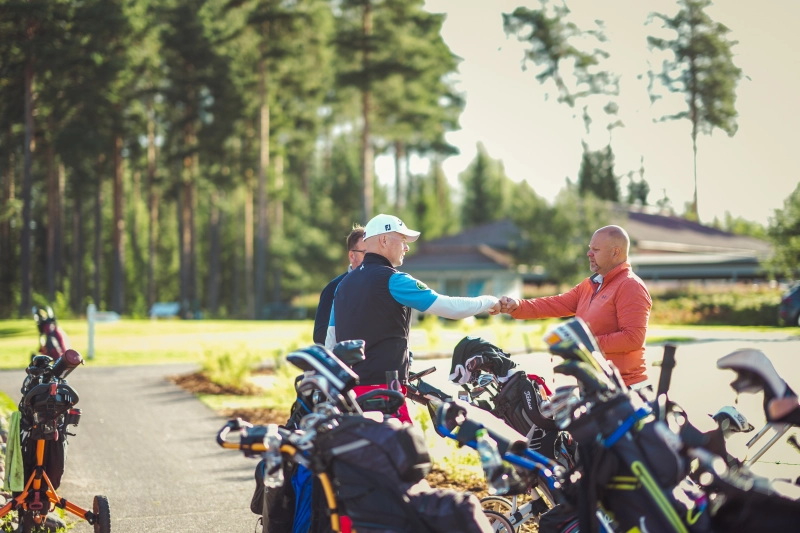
{"points": [[388, 227]]}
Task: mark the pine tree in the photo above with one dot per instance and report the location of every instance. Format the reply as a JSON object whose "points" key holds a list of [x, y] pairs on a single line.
{"points": [[702, 70], [486, 190], [596, 174]]}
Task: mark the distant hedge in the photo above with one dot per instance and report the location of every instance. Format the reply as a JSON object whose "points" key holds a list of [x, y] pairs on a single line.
{"points": [[735, 305]]}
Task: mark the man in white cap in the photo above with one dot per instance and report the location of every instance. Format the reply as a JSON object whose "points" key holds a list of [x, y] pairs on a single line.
{"points": [[374, 303]]}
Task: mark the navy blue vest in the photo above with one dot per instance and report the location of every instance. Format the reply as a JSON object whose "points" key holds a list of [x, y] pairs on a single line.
{"points": [[364, 309]]}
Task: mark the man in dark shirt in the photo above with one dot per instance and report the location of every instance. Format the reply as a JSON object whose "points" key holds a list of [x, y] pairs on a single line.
{"points": [[355, 251], [374, 303]]}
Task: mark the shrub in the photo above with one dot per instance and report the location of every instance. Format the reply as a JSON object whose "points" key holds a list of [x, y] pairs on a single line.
{"points": [[733, 305]]}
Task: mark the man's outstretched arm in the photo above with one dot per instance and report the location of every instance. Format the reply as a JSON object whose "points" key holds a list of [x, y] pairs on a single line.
{"points": [[415, 294]]}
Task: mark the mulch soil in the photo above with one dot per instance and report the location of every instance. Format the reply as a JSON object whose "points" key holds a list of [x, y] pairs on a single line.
{"points": [[198, 383]]}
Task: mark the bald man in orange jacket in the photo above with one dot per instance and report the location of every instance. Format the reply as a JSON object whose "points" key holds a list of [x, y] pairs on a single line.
{"points": [[613, 301]]}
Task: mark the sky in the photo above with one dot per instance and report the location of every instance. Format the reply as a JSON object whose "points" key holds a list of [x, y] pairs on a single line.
{"points": [[748, 175]]}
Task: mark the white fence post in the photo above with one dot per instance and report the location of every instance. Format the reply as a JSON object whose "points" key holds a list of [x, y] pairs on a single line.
{"points": [[90, 311]]}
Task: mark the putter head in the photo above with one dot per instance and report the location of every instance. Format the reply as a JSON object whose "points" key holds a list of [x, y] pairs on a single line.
{"points": [[319, 361]]}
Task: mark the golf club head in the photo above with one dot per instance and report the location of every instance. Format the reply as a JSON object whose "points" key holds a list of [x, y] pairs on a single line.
{"points": [[592, 381], [323, 363], [484, 380], [573, 340]]}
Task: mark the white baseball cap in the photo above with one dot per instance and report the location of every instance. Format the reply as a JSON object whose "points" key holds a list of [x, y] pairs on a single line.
{"points": [[387, 224]]}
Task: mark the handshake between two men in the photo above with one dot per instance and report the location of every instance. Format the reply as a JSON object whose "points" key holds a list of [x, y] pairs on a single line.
{"points": [[505, 304]]}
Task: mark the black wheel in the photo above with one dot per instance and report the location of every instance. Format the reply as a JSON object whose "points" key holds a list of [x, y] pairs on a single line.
{"points": [[499, 522], [26, 521], [265, 512], [102, 514]]}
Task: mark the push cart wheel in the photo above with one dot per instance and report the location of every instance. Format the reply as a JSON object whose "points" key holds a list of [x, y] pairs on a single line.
{"points": [[497, 503], [102, 514], [500, 524]]}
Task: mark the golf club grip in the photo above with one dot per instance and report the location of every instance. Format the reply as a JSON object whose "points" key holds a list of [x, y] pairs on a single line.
{"points": [[422, 374], [667, 364], [68, 362]]}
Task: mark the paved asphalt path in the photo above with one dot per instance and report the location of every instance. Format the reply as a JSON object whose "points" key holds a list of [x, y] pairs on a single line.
{"points": [[149, 447]]}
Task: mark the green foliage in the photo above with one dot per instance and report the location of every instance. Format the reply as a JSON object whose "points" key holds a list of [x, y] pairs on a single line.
{"points": [[701, 68], [228, 369], [486, 189], [556, 237], [784, 232], [431, 204], [596, 175], [725, 305], [554, 42], [7, 405], [741, 226]]}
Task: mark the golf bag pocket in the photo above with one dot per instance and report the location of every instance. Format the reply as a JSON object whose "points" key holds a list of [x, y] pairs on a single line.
{"points": [[517, 404], [660, 448], [448, 511], [397, 452]]}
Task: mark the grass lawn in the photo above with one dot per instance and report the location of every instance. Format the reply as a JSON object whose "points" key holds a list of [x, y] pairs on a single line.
{"points": [[132, 342]]}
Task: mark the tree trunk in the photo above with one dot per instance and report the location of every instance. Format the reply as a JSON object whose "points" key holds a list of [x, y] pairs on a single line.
{"points": [[7, 248], [262, 236], [52, 214], [98, 235], [277, 201], [118, 232], [303, 171], [61, 260], [152, 209], [248, 249], [214, 253], [193, 278], [186, 237], [25, 250], [277, 229], [138, 260], [181, 256], [693, 96], [76, 279], [399, 158], [236, 269], [366, 146]]}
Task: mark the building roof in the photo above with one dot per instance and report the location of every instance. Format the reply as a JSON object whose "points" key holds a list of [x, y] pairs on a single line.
{"points": [[653, 233], [662, 246], [458, 257], [500, 235]]}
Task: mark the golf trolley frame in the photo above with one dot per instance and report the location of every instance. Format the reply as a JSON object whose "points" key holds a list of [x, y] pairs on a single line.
{"points": [[49, 406]]}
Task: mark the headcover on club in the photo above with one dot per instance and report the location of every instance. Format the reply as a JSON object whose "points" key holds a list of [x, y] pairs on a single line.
{"points": [[737, 423], [322, 362], [754, 372], [350, 352], [473, 354]]}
